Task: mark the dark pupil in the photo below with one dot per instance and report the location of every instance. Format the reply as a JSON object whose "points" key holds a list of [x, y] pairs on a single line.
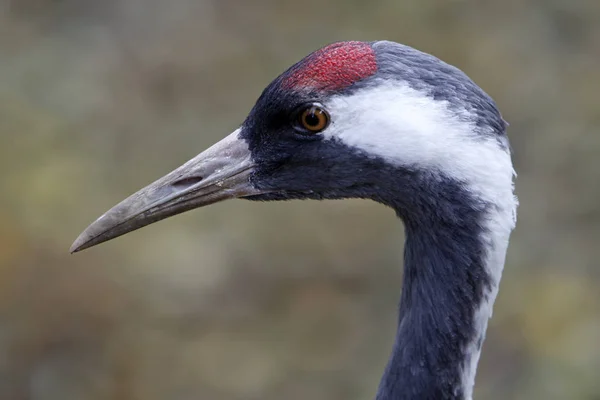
{"points": [[312, 119]]}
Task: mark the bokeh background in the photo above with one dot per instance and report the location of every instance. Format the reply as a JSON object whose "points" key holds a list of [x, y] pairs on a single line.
{"points": [[289, 300]]}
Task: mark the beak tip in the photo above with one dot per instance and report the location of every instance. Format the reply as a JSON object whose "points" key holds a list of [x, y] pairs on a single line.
{"points": [[92, 235], [87, 238], [79, 244]]}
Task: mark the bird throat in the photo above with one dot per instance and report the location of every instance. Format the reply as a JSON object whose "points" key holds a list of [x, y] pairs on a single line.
{"points": [[452, 267]]}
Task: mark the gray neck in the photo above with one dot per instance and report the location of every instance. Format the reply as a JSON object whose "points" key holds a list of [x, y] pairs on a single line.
{"points": [[451, 275]]}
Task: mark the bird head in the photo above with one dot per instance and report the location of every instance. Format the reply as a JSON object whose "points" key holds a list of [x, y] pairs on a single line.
{"points": [[376, 120]]}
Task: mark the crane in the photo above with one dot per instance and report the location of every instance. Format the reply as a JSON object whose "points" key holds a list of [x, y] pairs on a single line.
{"points": [[381, 121]]}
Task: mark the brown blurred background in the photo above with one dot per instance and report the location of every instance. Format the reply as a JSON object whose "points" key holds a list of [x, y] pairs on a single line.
{"points": [[282, 300]]}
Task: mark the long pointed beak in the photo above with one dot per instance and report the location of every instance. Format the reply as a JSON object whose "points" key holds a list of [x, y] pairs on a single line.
{"points": [[219, 173]]}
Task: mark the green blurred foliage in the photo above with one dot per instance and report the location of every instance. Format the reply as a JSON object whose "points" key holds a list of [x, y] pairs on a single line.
{"points": [[283, 300]]}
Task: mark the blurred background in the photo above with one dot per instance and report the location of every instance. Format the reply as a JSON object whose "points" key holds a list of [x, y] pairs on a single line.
{"points": [[289, 300]]}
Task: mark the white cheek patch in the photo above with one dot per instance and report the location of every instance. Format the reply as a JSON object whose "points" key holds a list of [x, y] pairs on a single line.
{"points": [[406, 128]]}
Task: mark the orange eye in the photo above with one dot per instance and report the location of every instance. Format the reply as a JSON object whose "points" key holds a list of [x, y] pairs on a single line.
{"points": [[314, 119]]}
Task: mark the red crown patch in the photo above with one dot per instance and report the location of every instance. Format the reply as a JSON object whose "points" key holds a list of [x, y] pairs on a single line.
{"points": [[334, 67]]}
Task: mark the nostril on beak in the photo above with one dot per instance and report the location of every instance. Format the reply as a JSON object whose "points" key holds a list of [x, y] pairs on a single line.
{"points": [[185, 183]]}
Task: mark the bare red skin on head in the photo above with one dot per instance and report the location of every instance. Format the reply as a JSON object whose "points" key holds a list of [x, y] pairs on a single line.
{"points": [[334, 67]]}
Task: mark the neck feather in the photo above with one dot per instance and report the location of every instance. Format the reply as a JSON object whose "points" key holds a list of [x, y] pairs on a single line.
{"points": [[446, 169], [454, 256]]}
